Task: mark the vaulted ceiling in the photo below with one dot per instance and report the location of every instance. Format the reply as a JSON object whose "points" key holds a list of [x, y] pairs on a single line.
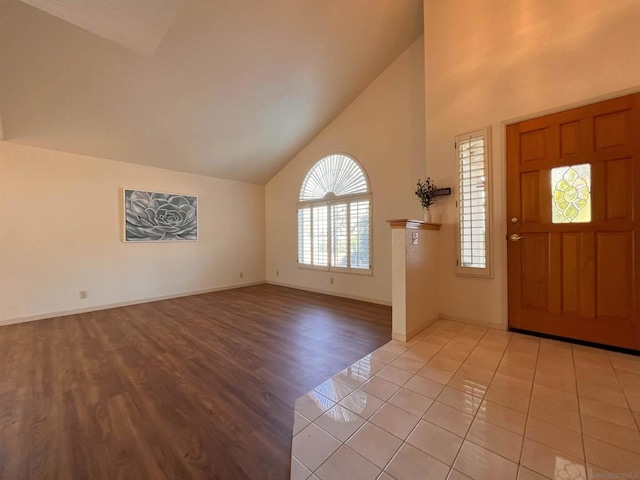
{"points": [[227, 88]]}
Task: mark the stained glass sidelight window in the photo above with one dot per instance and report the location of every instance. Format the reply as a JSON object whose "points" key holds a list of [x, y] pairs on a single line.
{"points": [[571, 194]]}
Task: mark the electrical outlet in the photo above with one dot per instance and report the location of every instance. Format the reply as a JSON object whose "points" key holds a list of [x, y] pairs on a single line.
{"points": [[241, 274], [83, 294], [331, 280]]}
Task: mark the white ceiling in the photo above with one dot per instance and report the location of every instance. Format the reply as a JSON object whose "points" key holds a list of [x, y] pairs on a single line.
{"points": [[227, 88], [139, 25]]}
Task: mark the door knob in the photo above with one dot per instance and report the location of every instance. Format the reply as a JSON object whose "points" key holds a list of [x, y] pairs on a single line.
{"points": [[514, 237]]}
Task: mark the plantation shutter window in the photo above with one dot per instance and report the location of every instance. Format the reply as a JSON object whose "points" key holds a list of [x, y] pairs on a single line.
{"points": [[319, 238], [334, 209], [473, 152], [339, 235], [359, 216], [304, 235]]}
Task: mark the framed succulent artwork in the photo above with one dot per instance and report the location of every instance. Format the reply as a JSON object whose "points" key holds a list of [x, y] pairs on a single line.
{"points": [[160, 217]]}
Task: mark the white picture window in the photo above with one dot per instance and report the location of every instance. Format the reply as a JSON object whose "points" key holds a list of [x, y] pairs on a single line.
{"points": [[334, 217], [473, 203]]}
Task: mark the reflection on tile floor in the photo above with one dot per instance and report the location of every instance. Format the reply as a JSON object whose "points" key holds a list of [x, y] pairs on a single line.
{"points": [[463, 402]]}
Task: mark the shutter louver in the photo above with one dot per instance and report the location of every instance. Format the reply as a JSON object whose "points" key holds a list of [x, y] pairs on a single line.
{"points": [[320, 232], [339, 235], [336, 174], [359, 226], [334, 217], [472, 203], [304, 236]]}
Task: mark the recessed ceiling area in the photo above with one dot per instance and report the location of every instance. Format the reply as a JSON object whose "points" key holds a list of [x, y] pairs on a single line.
{"points": [[229, 88], [139, 25]]}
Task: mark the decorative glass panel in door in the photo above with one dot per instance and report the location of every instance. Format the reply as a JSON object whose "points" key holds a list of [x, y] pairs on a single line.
{"points": [[571, 194]]}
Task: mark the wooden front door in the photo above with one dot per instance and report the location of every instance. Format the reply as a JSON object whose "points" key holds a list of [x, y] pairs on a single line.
{"points": [[573, 192]]}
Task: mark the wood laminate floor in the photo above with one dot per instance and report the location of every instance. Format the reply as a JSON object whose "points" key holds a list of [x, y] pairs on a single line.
{"points": [[199, 387]]}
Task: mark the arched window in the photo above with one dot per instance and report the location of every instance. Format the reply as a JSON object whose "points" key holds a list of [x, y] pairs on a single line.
{"points": [[334, 210]]}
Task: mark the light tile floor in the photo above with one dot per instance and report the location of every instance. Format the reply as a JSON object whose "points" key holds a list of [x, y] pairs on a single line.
{"points": [[464, 402]]}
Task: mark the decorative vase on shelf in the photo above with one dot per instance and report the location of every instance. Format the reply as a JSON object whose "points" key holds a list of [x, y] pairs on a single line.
{"points": [[426, 192]]}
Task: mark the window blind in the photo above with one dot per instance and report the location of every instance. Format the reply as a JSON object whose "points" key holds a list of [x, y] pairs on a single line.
{"points": [[320, 247], [304, 236], [339, 235], [473, 201], [359, 227], [334, 231], [335, 174]]}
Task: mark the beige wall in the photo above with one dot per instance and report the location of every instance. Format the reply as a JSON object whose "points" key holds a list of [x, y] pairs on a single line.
{"points": [[384, 129], [422, 280], [414, 273], [61, 232], [486, 63], [493, 61]]}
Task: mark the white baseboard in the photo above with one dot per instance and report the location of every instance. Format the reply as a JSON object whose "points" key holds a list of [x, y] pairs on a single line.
{"points": [[95, 308], [417, 331], [405, 338], [327, 292], [473, 321]]}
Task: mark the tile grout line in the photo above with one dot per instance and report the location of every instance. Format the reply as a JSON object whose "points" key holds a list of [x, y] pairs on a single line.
{"points": [[366, 420], [345, 442], [484, 399], [615, 371], [451, 469], [475, 345], [624, 393], [526, 421], [584, 447], [434, 400], [429, 408], [539, 354]]}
